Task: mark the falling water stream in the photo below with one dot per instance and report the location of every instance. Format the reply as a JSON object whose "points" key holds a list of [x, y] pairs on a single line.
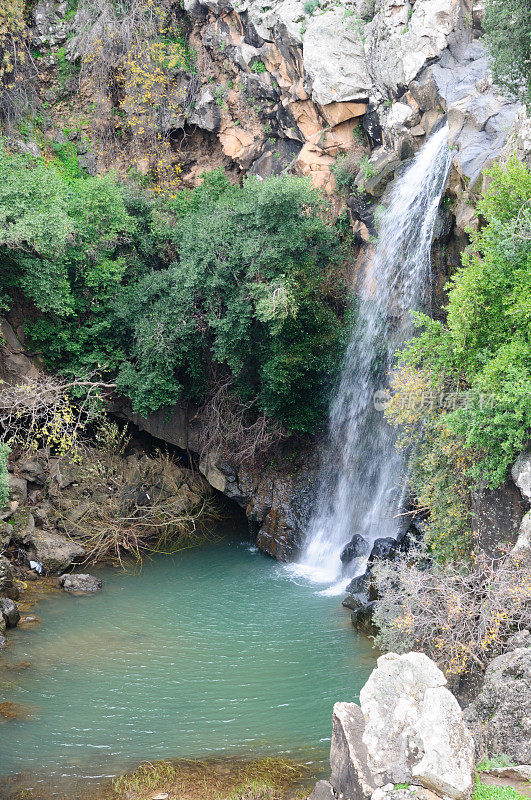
{"points": [[362, 479]]}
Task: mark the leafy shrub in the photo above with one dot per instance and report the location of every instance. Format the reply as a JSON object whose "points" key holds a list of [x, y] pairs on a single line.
{"points": [[253, 293], [344, 169], [133, 54], [507, 25], [494, 762], [463, 389], [258, 66], [17, 95], [366, 167], [40, 413], [484, 792], [310, 6]]}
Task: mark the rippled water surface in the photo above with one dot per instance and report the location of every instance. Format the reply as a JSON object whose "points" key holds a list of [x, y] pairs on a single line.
{"points": [[214, 651]]}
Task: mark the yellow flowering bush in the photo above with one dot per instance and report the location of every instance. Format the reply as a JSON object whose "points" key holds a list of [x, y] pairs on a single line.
{"points": [[134, 55], [460, 616], [39, 413], [15, 62]]}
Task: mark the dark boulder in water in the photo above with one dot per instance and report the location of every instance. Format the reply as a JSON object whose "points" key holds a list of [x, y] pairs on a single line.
{"points": [[356, 548], [362, 619]]}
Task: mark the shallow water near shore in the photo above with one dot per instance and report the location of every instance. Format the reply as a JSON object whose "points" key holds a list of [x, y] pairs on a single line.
{"points": [[211, 652]]}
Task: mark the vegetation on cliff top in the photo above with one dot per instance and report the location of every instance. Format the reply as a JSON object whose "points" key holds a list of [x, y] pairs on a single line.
{"points": [[229, 284], [468, 381]]}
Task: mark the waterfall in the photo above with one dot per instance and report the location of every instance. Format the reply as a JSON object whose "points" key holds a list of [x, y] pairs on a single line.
{"points": [[363, 477]]}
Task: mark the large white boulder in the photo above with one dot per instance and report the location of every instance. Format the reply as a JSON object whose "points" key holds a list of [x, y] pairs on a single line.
{"points": [[414, 729]]}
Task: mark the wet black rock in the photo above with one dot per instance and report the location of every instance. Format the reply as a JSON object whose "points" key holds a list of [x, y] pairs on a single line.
{"points": [[373, 129], [358, 584], [384, 548], [356, 548], [353, 602], [362, 619]]}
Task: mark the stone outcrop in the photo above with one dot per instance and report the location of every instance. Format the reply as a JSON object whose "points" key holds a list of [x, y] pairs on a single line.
{"points": [[496, 517], [414, 729], [54, 552], [408, 729], [523, 542], [7, 580], [350, 776], [276, 499], [314, 76], [500, 717]]}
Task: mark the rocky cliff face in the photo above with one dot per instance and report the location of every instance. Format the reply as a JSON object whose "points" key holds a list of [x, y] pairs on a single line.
{"points": [[314, 73]]}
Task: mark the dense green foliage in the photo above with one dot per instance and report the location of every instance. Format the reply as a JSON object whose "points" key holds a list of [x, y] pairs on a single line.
{"points": [[223, 283], [252, 290], [475, 370], [507, 25], [4, 481]]}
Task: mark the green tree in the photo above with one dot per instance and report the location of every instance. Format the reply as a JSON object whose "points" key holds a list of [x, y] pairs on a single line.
{"points": [[507, 25], [253, 294], [233, 283]]}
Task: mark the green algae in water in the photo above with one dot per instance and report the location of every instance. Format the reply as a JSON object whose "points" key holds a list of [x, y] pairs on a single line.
{"points": [[214, 652]]}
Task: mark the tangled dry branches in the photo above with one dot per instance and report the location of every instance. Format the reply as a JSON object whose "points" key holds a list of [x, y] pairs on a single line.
{"points": [[229, 427], [460, 615], [152, 506], [40, 413]]}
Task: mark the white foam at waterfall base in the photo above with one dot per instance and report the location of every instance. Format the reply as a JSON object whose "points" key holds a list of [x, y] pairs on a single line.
{"points": [[363, 478]]}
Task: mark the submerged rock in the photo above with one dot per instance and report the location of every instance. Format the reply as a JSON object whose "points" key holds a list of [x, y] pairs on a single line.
{"points": [[82, 582]]}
